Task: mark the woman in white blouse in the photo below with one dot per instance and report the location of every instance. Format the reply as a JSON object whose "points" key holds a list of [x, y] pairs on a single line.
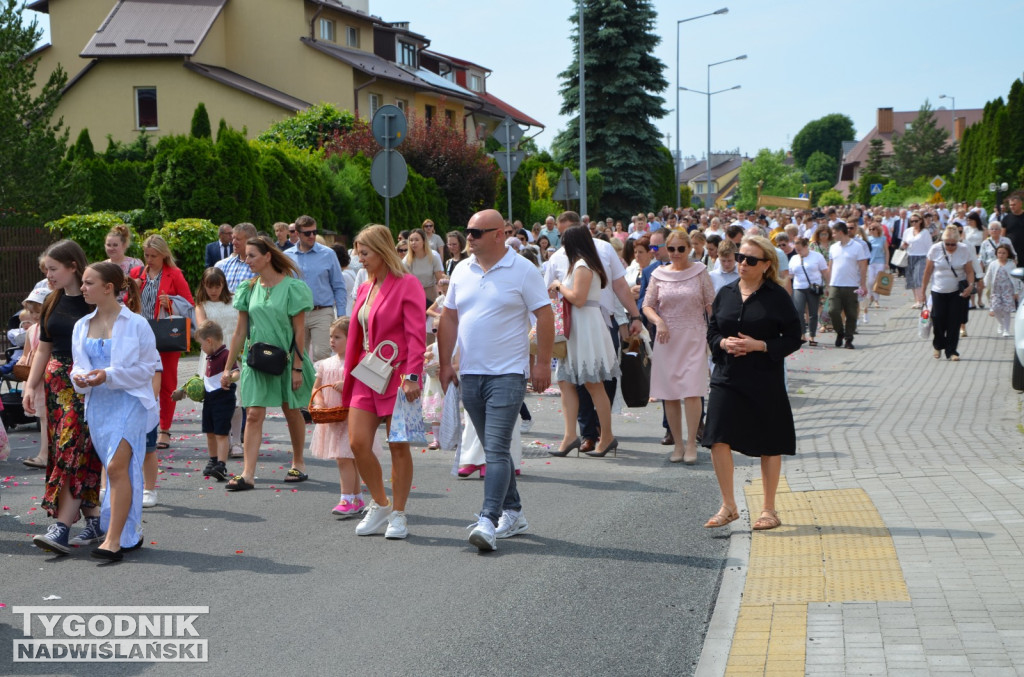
{"points": [[917, 240], [951, 275], [809, 271]]}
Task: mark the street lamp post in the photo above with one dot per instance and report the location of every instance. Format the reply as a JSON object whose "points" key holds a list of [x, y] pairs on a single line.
{"points": [[952, 130], [678, 158], [709, 94], [998, 188]]}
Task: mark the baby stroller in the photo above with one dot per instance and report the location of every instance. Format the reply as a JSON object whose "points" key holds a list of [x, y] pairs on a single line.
{"points": [[13, 413]]}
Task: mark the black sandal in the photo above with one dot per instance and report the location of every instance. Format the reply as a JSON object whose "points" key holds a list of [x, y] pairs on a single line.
{"points": [[239, 483], [164, 445], [295, 475]]}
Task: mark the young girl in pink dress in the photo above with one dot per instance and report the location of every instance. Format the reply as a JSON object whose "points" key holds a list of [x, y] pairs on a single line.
{"points": [[330, 440]]}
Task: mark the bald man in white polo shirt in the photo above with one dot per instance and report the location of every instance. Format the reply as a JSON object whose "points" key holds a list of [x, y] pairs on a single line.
{"points": [[486, 313]]}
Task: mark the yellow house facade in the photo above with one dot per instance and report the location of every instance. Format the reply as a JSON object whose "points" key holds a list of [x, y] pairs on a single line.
{"points": [[137, 65]]}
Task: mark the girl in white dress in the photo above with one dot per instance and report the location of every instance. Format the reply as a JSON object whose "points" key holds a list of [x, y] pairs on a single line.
{"points": [[213, 302], [590, 358], [330, 440]]}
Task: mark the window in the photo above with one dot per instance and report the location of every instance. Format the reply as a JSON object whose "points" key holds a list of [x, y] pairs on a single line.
{"points": [[351, 36], [429, 114], [475, 83], [407, 54], [908, 126], [327, 30], [145, 108], [449, 76], [402, 104], [374, 103], [449, 117]]}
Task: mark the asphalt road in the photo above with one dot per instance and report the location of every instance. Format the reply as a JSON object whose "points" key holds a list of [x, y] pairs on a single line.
{"points": [[615, 576]]}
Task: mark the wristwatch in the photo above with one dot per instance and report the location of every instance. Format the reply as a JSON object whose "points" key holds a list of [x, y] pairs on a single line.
{"points": [[636, 317], [412, 377]]}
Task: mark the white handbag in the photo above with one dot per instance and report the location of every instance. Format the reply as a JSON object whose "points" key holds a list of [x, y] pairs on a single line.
{"points": [[374, 370]]}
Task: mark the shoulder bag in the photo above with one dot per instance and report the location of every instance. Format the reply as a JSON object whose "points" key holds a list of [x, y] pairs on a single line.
{"points": [[900, 258], [812, 287], [266, 357], [961, 285], [173, 333]]}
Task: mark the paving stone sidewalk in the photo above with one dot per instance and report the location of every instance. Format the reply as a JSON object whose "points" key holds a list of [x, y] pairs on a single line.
{"points": [[937, 447]]}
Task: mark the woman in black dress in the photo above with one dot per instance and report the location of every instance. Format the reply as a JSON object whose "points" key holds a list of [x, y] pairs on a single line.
{"points": [[753, 327]]}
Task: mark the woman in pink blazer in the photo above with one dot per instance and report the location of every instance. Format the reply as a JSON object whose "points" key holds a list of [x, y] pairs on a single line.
{"points": [[389, 307]]}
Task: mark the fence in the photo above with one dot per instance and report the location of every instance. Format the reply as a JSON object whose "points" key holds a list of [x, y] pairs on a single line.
{"points": [[20, 247]]}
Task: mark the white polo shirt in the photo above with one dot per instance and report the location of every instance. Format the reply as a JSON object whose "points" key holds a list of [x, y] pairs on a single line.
{"points": [[558, 268], [845, 263], [494, 313]]}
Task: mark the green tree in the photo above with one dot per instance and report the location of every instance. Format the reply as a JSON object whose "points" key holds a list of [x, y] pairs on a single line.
{"points": [[83, 149], [922, 150], [623, 78], [201, 122], [771, 171], [831, 198], [876, 160], [821, 167], [825, 134], [311, 128], [35, 185], [664, 172]]}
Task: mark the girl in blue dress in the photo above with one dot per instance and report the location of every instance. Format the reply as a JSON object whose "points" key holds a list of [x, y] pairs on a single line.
{"points": [[115, 358]]}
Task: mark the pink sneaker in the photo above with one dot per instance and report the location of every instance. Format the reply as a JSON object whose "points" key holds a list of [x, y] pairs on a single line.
{"points": [[467, 470], [347, 509]]}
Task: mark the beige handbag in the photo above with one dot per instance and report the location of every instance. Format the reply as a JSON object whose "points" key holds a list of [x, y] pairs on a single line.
{"points": [[374, 370]]}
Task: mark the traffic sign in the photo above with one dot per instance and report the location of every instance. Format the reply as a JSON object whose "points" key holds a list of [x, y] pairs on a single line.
{"points": [[388, 173], [937, 183], [508, 133], [389, 126], [503, 159], [876, 188], [568, 188]]}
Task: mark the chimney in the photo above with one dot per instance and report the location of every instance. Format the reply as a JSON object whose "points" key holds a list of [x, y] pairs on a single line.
{"points": [[885, 122], [958, 128]]}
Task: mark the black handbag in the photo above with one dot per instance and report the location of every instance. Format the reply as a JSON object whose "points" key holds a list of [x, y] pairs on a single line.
{"points": [[173, 334], [812, 287], [635, 365], [266, 357]]}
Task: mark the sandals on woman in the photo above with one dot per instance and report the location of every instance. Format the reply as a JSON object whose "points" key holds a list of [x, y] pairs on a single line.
{"points": [[722, 517], [239, 483], [166, 443], [769, 520]]}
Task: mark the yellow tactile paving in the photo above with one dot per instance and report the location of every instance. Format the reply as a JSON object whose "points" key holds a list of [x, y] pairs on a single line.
{"points": [[832, 547]]}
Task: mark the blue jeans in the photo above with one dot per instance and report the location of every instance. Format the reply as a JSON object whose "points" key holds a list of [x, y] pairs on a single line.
{"points": [[492, 404]]}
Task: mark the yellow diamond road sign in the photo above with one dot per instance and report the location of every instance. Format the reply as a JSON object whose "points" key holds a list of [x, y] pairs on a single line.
{"points": [[937, 183]]}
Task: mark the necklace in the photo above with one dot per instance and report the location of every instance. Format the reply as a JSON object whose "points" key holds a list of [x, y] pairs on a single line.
{"points": [[749, 293]]}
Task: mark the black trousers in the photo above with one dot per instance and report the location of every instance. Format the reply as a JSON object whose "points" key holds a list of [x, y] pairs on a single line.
{"points": [[948, 312]]}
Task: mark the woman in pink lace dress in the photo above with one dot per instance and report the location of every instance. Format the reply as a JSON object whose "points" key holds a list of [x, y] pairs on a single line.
{"points": [[679, 296]]}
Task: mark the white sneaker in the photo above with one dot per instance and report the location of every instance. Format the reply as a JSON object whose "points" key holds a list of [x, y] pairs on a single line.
{"points": [[526, 425], [397, 526], [510, 523], [148, 498], [482, 535], [236, 451], [376, 517]]}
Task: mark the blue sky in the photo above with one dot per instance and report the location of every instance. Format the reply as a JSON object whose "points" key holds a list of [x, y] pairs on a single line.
{"points": [[805, 59]]}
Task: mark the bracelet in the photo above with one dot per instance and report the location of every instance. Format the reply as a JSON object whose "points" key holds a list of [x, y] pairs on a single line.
{"points": [[294, 369], [636, 317]]}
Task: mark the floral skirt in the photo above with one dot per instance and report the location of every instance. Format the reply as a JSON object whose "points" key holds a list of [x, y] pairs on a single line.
{"points": [[73, 462]]}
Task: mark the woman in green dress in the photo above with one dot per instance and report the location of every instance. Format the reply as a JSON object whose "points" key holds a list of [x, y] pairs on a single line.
{"points": [[272, 309]]}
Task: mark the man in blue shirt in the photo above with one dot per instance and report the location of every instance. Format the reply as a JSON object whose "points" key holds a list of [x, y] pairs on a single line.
{"points": [[322, 272], [236, 270]]}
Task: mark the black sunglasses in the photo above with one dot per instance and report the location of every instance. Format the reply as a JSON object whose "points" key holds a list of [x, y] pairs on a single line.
{"points": [[308, 233], [748, 259], [673, 250], [403, 251], [478, 232]]}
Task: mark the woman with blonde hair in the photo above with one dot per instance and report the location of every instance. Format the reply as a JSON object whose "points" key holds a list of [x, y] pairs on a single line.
{"points": [[165, 291], [950, 272], [424, 263], [677, 301], [118, 240], [272, 310], [390, 306], [753, 327]]}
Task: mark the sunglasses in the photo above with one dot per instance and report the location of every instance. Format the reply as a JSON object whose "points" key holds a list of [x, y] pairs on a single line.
{"points": [[748, 259], [477, 233], [654, 248], [308, 233], [949, 244], [403, 251], [673, 250]]}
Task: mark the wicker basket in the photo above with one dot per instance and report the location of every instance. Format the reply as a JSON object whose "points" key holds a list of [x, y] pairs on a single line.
{"points": [[322, 414]]}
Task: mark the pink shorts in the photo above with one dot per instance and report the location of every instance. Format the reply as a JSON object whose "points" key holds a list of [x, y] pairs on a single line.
{"points": [[366, 399]]}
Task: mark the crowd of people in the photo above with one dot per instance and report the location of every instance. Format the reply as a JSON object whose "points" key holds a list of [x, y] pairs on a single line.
{"points": [[287, 321]]}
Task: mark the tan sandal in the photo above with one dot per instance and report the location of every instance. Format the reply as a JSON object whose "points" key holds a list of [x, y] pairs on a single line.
{"points": [[721, 518], [769, 520]]}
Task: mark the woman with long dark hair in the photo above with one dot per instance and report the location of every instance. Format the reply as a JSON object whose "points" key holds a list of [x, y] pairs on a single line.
{"points": [[456, 251], [115, 359], [73, 469], [272, 309], [590, 358]]}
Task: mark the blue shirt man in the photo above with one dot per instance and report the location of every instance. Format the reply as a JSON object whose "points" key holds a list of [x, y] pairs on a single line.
{"points": [[322, 272]]}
